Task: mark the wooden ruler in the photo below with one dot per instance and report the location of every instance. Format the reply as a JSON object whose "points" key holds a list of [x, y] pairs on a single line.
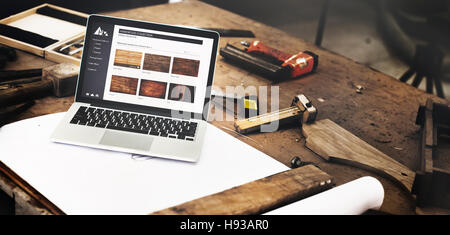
{"points": [[259, 196]]}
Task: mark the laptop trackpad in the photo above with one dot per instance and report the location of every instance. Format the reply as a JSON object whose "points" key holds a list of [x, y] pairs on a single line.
{"points": [[126, 140]]}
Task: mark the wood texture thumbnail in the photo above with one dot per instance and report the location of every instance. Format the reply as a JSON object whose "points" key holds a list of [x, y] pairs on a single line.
{"points": [[153, 89], [130, 59], [157, 63], [124, 85], [183, 93], [185, 67]]}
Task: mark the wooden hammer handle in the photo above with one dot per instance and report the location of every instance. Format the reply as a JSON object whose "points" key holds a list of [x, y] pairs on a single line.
{"points": [[14, 74], [25, 92]]}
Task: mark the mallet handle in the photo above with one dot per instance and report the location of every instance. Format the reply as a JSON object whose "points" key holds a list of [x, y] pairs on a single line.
{"points": [[25, 92]]}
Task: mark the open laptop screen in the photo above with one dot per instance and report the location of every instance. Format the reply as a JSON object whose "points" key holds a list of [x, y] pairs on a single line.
{"points": [[146, 66]]}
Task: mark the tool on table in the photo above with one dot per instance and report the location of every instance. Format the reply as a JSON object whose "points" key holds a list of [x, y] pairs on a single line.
{"points": [[73, 48], [330, 141], [301, 111], [431, 185], [265, 194], [15, 83], [233, 32], [60, 80], [297, 162], [271, 62]]}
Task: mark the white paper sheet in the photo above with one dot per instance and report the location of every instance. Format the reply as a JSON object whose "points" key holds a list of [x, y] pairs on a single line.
{"points": [[352, 198], [82, 180], [48, 26]]}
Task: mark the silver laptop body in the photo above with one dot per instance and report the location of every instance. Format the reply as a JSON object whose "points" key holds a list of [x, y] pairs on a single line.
{"points": [[143, 88]]}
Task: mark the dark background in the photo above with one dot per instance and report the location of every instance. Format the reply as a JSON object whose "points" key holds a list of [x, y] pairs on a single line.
{"points": [[353, 28], [87, 6]]}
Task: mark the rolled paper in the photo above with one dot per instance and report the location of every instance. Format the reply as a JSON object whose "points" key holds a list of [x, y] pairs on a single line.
{"points": [[352, 198]]}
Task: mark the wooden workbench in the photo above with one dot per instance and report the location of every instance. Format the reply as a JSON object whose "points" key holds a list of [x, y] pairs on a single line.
{"points": [[383, 115]]}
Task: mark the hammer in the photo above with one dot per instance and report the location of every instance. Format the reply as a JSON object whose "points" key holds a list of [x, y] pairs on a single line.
{"points": [[301, 110], [59, 80]]}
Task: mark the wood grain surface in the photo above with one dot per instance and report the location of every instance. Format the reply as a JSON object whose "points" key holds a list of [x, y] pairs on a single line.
{"points": [[186, 67], [383, 115], [157, 63], [153, 89], [258, 196], [124, 84], [130, 59], [336, 144]]}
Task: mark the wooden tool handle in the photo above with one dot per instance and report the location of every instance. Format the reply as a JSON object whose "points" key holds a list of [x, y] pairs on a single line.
{"points": [[252, 124], [14, 74], [25, 92], [259, 196]]}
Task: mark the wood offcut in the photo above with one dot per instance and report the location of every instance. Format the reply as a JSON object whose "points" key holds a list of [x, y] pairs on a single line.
{"points": [[259, 196], [336, 144]]}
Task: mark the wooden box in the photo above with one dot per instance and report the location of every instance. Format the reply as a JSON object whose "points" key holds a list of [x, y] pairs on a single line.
{"points": [[45, 30]]}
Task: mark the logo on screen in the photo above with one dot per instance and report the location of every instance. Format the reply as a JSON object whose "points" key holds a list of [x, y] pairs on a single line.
{"points": [[101, 32]]}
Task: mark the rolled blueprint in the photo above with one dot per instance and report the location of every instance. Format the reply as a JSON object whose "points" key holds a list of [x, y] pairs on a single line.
{"points": [[352, 198]]}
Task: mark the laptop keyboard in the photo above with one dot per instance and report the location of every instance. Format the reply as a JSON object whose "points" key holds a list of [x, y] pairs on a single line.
{"points": [[133, 122]]}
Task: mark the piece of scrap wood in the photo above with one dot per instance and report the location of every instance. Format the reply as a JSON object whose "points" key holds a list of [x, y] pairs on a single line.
{"points": [[334, 143], [258, 196]]}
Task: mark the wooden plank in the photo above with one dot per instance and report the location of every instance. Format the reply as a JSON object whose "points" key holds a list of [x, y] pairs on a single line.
{"points": [[29, 190], [258, 196], [52, 53], [336, 144]]}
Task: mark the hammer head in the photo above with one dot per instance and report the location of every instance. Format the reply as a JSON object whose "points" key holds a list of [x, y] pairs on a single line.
{"points": [[64, 78], [309, 112]]}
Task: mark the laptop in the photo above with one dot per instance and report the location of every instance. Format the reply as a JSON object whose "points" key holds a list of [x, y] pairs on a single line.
{"points": [[143, 88]]}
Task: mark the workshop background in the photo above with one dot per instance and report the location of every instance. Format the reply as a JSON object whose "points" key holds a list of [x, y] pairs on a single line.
{"points": [[408, 38], [401, 38]]}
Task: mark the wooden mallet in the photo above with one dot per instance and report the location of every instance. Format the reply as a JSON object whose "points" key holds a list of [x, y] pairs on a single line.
{"points": [[301, 110], [59, 80]]}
